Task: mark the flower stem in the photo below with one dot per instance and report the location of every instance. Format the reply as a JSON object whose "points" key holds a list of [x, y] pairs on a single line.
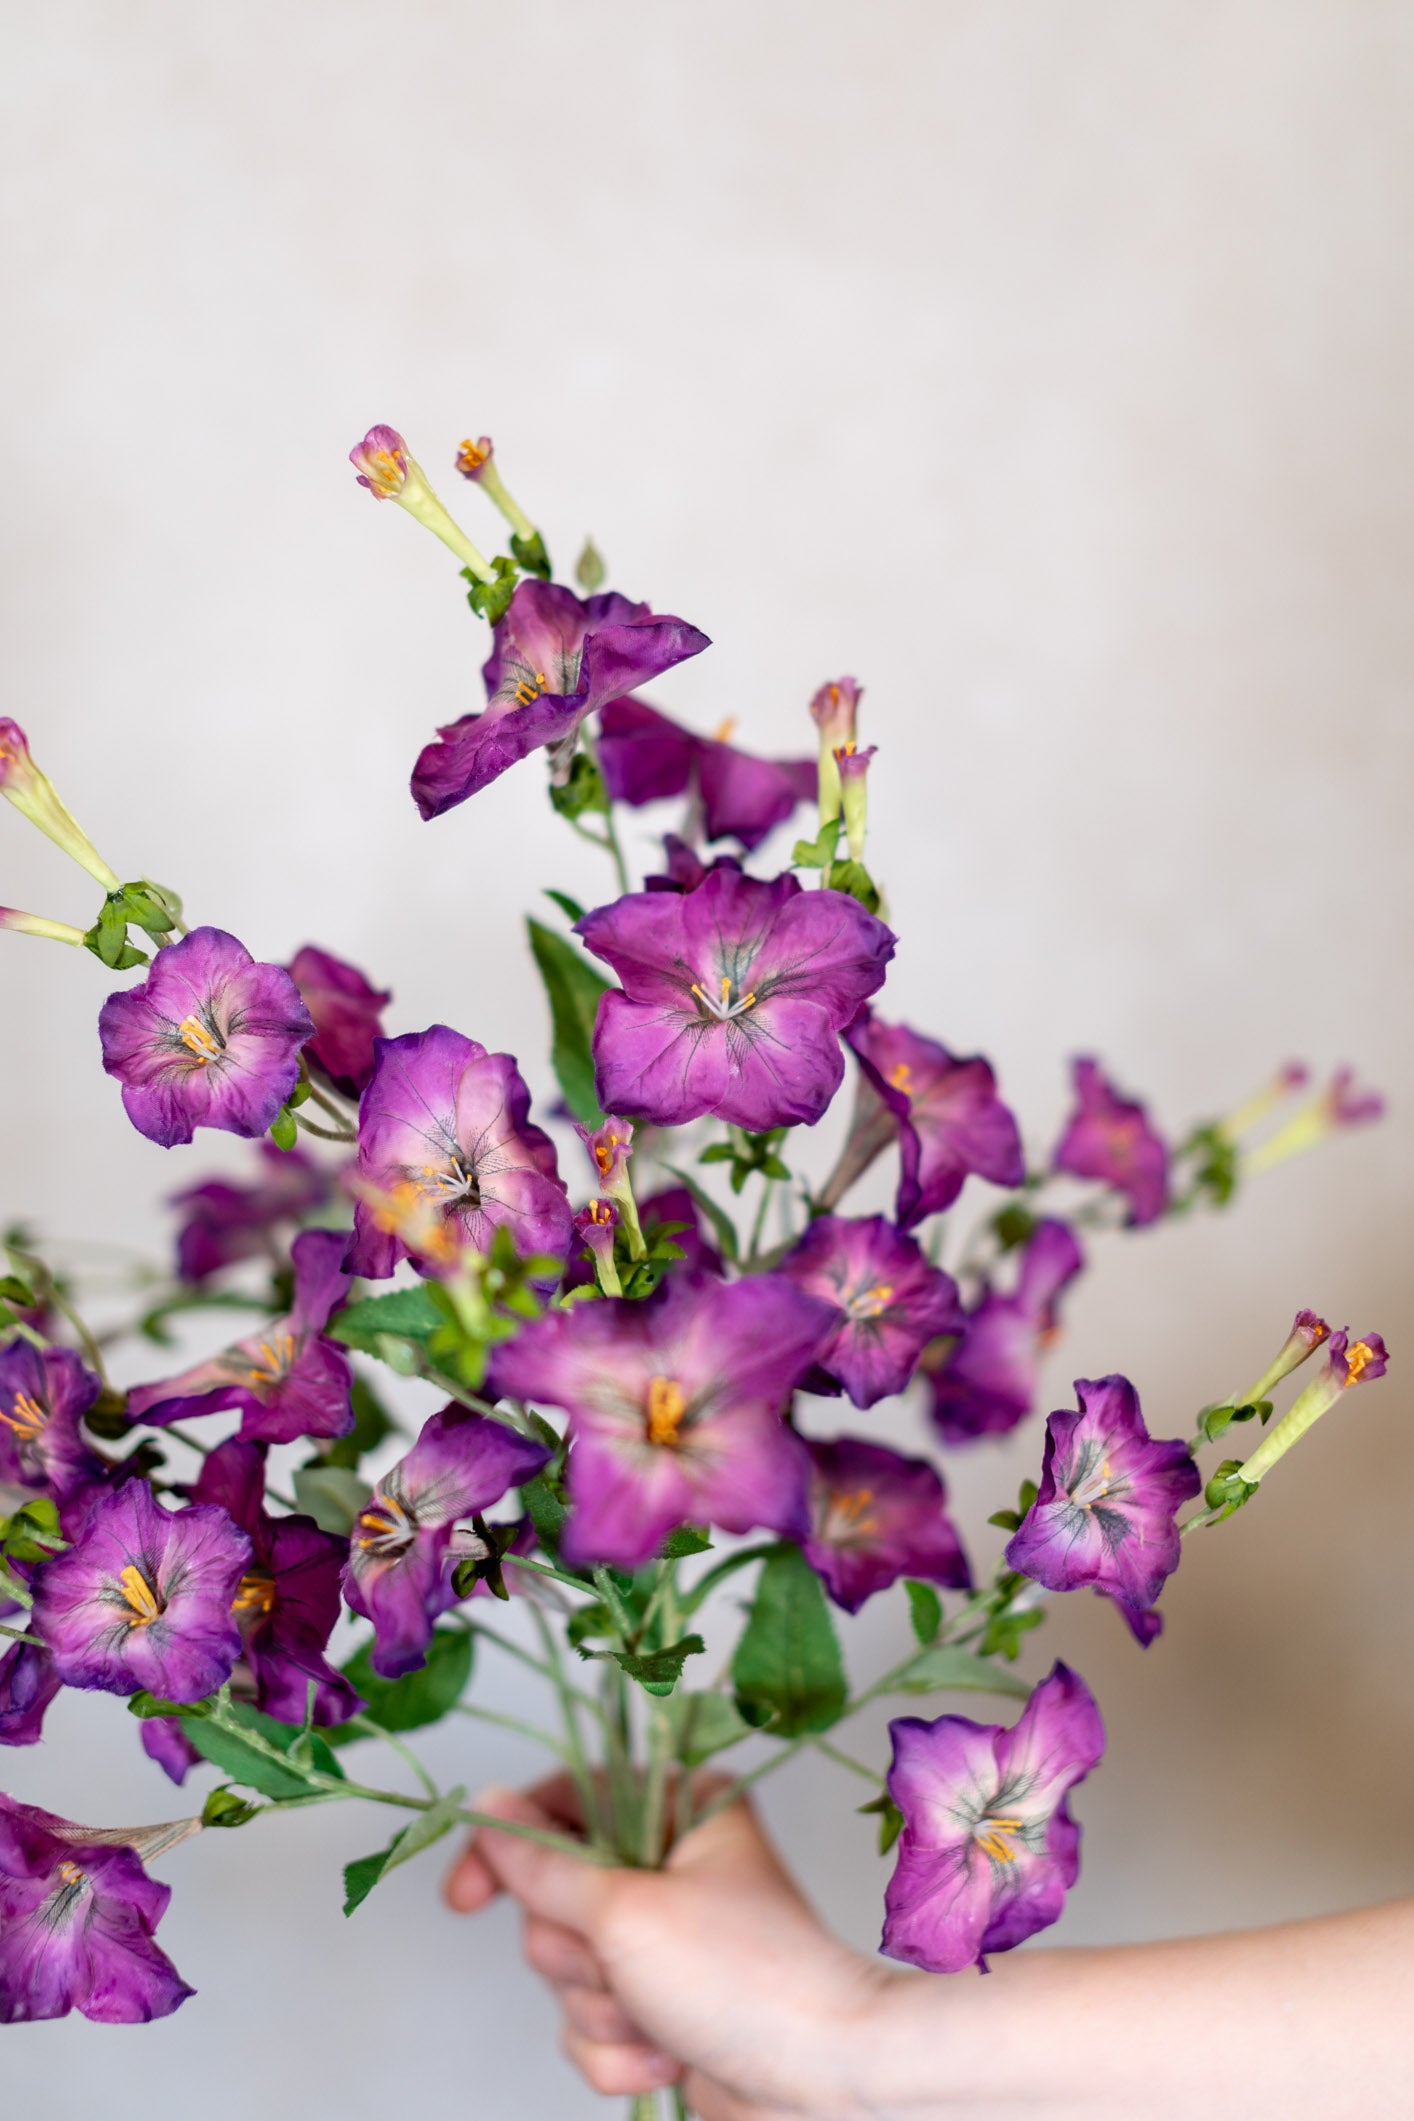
{"points": [[572, 1751], [376, 1730], [846, 1760], [512, 1723]]}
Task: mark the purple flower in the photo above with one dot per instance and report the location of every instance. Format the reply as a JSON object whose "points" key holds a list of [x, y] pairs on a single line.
{"points": [[610, 1148], [595, 1224], [287, 1602], [888, 1301], [732, 999], [988, 1849], [346, 1013], [444, 1126], [734, 795], [164, 1741], [835, 711], [1109, 1138], [556, 659], [209, 1039], [288, 1380], [223, 1223], [400, 1567], [875, 1516], [987, 1383], [1106, 1512], [28, 1683], [44, 1396], [77, 1917], [685, 868], [675, 1407], [947, 1114], [381, 462], [143, 1597], [1348, 1362]]}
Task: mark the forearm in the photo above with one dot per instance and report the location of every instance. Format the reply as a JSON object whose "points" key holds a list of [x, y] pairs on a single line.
{"points": [[1312, 2019]]}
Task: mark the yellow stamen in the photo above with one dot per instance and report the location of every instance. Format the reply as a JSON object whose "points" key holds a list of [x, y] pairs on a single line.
{"points": [[526, 691], [28, 1418], [71, 1874], [141, 1598], [471, 457], [723, 732], [601, 1211], [874, 1300], [274, 1360], [255, 1596], [197, 1039], [666, 1407], [901, 1077], [1356, 1359], [849, 1515], [997, 1842], [604, 1152], [726, 990]]}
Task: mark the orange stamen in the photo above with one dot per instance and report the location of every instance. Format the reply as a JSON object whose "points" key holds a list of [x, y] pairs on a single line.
{"points": [[666, 1407]]}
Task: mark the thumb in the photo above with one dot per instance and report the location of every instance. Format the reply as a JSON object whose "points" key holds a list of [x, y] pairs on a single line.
{"points": [[548, 1882]]}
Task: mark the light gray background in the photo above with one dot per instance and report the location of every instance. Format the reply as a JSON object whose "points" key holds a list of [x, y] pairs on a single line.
{"points": [[1048, 367]]}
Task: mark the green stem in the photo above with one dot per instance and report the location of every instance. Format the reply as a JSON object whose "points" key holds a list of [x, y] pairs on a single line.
{"points": [[768, 1187], [405, 1752], [846, 1760], [572, 1751], [326, 1134], [536, 1664], [608, 1591], [544, 1568], [655, 1789], [20, 1635], [512, 1723], [762, 1769], [327, 1104]]}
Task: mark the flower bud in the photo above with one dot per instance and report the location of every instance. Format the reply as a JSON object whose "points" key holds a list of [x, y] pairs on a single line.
{"points": [[35, 924], [610, 1146], [386, 466], [476, 461], [835, 709], [852, 767], [1308, 1332], [34, 796], [596, 1225], [1293, 1076], [1349, 1363], [1339, 1104]]}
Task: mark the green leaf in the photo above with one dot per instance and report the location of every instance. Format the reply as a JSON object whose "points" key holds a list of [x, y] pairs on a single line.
{"points": [[332, 1496], [940, 1669], [242, 1761], [722, 1224], [820, 852], [573, 988], [657, 1671], [583, 791], [419, 1697], [547, 1510], [687, 1539], [704, 1724], [108, 937], [1013, 1226], [16, 1291], [787, 1670], [854, 878], [925, 1610], [1007, 1519], [589, 568], [361, 1876], [283, 1130], [405, 1314], [587, 1621], [570, 907], [532, 555]]}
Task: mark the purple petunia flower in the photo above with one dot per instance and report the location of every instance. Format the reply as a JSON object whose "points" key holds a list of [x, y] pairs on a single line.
{"points": [[143, 1598], [988, 1849], [209, 1039], [875, 1516], [675, 1408], [1106, 1512], [287, 1602], [946, 1112], [77, 1916], [1108, 1137], [888, 1301], [556, 659], [733, 794], [44, 1395], [347, 1016], [164, 1741], [987, 1383], [445, 1126], [222, 1223], [28, 1683], [732, 999], [288, 1380], [401, 1562]]}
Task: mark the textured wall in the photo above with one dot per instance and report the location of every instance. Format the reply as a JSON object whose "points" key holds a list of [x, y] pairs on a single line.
{"points": [[1048, 367]]}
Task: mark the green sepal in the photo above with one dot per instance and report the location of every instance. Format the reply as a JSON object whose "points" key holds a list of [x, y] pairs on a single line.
{"points": [[490, 599], [1227, 1490], [1013, 1226], [573, 989], [584, 790], [224, 1808], [419, 1697], [144, 1705], [925, 1610], [818, 853], [284, 1131], [1008, 1520], [1004, 1633], [108, 937], [890, 1819], [587, 1622], [17, 1292], [32, 1533], [787, 1671], [531, 554], [430, 1826], [854, 879]]}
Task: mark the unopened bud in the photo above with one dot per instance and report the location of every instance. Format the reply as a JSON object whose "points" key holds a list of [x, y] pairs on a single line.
{"points": [[1308, 1332], [1349, 1363], [1339, 1104], [852, 767], [835, 709], [1253, 1110], [388, 469], [35, 797], [35, 924]]}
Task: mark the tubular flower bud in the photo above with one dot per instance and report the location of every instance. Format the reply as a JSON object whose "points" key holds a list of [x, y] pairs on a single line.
{"points": [[1307, 1334], [596, 1225], [1349, 1363], [835, 709], [1338, 1104], [610, 1146], [388, 469], [1253, 1110], [852, 766], [35, 924], [35, 797], [476, 461]]}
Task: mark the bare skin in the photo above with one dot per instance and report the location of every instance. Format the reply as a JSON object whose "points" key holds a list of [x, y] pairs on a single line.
{"points": [[716, 1974]]}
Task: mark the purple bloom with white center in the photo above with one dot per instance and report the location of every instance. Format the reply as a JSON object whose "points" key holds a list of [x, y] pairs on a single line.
{"points": [[734, 795], [875, 1516], [1109, 1138], [946, 1112], [287, 1602], [347, 1015], [222, 1223], [444, 1125], [988, 1381], [143, 1598], [557, 658], [77, 1916], [988, 1849], [209, 1039], [28, 1683], [675, 1407], [403, 1554], [732, 1000], [288, 1379], [889, 1302], [1106, 1512], [44, 1395]]}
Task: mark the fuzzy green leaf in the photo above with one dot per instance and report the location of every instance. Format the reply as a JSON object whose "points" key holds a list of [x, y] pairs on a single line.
{"points": [[573, 989], [787, 1671]]}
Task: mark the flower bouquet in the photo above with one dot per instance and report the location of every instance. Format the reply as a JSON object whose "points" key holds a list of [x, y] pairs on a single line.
{"points": [[631, 1377]]}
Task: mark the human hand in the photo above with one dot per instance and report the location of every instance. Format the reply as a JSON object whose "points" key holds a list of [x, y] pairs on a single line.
{"points": [[714, 1972]]}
